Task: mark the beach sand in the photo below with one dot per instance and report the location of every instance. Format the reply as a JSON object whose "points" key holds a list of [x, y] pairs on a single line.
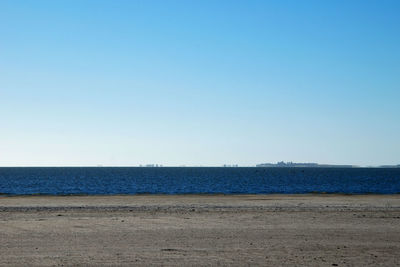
{"points": [[240, 230]]}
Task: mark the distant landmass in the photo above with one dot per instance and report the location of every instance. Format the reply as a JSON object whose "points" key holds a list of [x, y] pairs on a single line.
{"points": [[314, 165], [390, 166]]}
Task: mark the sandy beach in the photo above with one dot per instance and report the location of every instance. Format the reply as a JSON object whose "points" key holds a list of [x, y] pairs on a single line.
{"points": [[240, 230]]}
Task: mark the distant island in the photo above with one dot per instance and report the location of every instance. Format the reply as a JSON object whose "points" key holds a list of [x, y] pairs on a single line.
{"points": [[316, 165], [390, 166], [280, 164]]}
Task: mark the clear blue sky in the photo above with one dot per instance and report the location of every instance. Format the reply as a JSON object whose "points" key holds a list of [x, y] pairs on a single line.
{"points": [[199, 82]]}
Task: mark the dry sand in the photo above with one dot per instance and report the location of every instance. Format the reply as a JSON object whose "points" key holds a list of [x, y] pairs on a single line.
{"points": [[268, 230]]}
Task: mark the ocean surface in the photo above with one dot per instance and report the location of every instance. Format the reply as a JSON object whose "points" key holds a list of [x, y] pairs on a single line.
{"points": [[196, 180]]}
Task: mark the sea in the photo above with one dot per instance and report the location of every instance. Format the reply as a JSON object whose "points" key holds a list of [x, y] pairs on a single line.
{"points": [[196, 180]]}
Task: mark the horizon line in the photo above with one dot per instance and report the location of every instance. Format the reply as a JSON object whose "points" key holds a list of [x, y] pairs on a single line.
{"points": [[273, 165]]}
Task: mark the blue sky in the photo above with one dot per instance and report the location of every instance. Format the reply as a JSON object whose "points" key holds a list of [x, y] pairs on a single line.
{"points": [[199, 82]]}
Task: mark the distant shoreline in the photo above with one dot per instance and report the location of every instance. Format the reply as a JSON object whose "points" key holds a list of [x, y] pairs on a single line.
{"points": [[257, 166]]}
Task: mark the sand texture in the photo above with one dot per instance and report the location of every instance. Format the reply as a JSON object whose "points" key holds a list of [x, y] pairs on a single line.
{"points": [[242, 230]]}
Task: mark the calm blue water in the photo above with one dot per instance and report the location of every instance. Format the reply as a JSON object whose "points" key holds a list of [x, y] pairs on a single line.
{"points": [[170, 180]]}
